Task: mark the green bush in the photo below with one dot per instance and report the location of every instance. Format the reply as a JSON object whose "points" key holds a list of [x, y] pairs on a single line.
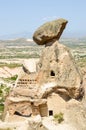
{"points": [[11, 65], [11, 79], [1, 107], [14, 77], [4, 91], [59, 117]]}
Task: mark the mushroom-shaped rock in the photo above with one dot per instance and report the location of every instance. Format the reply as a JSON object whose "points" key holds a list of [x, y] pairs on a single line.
{"points": [[49, 31]]}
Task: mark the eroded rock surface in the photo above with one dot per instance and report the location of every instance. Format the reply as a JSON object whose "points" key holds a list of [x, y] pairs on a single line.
{"points": [[49, 86], [57, 65], [49, 31]]}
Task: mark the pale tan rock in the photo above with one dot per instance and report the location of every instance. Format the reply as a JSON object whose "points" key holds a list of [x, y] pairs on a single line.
{"points": [[58, 65], [49, 86], [49, 31], [30, 65]]}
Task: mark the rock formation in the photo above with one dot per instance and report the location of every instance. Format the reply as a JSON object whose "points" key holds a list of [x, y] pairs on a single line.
{"points": [[57, 65], [49, 31], [53, 80]]}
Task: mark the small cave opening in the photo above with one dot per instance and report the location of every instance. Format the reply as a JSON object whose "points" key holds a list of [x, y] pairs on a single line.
{"points": [[52, 73], [19, 114], [50, 112]]}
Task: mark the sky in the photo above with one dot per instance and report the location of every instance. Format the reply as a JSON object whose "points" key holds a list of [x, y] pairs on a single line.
{"points": [[25, 16]]}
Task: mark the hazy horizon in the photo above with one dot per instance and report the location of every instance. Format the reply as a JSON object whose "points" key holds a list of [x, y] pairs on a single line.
{"points": [[21, 17], [29, 35]]}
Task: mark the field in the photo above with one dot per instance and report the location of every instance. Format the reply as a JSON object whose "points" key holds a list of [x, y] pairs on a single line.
{"points": [[78, 50], [13, 52]]}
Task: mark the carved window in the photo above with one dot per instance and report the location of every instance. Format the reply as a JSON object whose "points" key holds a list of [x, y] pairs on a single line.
{"points": [[52, 73], [50, 112]]}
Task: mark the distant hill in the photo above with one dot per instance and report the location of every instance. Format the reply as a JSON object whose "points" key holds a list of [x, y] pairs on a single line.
{"points": [[74, 42], [70, 42], [16, 35], [17, 42]]}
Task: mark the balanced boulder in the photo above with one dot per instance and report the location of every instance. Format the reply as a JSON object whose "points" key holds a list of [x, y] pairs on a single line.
{"points": [[49, 31]]}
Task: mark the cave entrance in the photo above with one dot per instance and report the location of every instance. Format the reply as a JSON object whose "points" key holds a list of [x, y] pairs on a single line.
{"points": [[50, 112], [52, 73]]}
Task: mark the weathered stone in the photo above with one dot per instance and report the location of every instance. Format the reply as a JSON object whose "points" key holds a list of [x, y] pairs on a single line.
{"points": [[30, 65], [57, 73], [35, 122], [25, 92], [57, 65], [49, 31], [49, 87]]}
